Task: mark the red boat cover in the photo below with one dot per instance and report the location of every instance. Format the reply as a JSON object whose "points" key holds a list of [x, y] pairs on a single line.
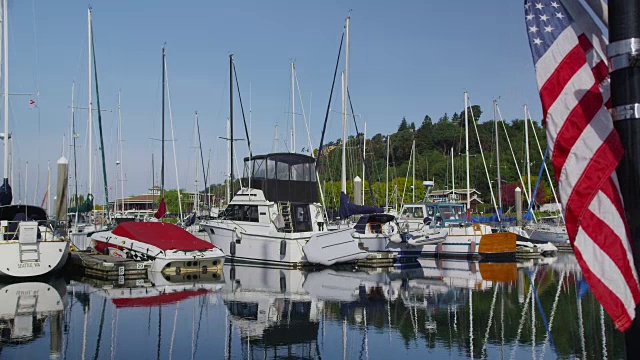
{"points": [[165, 236]]}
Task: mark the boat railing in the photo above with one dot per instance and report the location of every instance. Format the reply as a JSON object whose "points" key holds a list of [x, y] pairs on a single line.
{"points": [[10, 230]]}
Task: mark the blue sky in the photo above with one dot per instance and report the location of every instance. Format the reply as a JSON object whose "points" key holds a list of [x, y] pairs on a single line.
{"points": [[408, 58]]}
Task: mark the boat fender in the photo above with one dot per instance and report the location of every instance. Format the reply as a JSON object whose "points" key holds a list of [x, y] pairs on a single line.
{"points": [[439, 249], [105, 250], [472, 247], [283, 247], [232, 248], [232, 273], [395, 238], [283, 283], [238, 235]]}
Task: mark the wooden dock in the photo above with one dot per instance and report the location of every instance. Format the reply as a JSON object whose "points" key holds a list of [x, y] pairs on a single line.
{"points": [[378, 260], [109, 268]]}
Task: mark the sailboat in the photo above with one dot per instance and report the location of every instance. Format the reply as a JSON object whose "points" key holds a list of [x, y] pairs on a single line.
{"points": [[81, 216], [276, 218], [28, 247], [171, 248]]}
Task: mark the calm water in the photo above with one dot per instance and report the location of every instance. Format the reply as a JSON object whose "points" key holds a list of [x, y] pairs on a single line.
{"points": [[446, 309]]}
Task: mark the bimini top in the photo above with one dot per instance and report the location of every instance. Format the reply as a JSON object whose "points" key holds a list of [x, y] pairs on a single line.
{"points": [[286, 177], [164, 236], [30, 212]]}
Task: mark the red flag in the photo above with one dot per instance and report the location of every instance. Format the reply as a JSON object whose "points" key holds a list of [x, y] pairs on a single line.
{"points": [[572, 74], [32, 103], [162, 210]]}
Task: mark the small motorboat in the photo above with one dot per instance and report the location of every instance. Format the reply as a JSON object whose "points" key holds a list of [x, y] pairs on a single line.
{"points": [[171, 249]]}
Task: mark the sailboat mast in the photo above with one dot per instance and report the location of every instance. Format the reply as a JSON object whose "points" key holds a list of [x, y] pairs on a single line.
{"points": [[453, 177], [364, 155], [466, 139], [345, 92], [344, 137], [293, 110], [48, 187], [120, 148], [526, 144], [230, 125], [228, 187], [495, 119], [74, 136], [162, 157], [5, 42], [89, 88], [413, 174], [386, 196], [196, 195]]}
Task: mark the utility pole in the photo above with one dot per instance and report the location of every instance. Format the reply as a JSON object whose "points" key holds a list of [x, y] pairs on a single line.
{"points": [[624, 55]]}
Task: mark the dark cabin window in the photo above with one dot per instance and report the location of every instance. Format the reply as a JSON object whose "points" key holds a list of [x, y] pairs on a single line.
{"points": [[301, 218], [282, 170], [259, 169], [241, 213], [271, 169]]}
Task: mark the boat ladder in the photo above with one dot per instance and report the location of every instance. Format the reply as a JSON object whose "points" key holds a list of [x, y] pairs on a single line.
{"points": [[285, 210], [28, 245]]}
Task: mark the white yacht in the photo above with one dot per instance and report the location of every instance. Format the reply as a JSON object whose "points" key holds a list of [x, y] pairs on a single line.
{"points": [[551, 229], [277, 219]]}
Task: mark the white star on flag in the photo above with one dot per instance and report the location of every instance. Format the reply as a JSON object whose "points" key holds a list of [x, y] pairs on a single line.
{"points": [[544, 17], [539, 6], [555, 4], [559, 15], [533, 29], [530, 17], [548, 28], [537, 41]]}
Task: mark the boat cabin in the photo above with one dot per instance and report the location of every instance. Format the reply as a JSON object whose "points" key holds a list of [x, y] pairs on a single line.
{"points": [[373, 223], [283, 177], [437, 214], [12, 215]]}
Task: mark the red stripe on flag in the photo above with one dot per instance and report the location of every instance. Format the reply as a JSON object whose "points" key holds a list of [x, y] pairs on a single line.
{"points": [[603, 162], [600, 72], [574, 125], [607, 298], [567, 68], [609, 242], [585, 43]]}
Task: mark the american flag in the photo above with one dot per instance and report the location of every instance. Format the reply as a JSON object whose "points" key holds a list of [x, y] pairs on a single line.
{"points": [[568, 51]]}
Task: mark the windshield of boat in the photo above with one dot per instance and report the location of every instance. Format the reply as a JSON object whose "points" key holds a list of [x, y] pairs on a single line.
{"points": [[451, 212]]}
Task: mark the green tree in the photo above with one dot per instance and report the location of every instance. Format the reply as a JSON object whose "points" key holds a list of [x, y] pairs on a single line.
{"points": [[403, 125], [474, 113], [171, 200]]}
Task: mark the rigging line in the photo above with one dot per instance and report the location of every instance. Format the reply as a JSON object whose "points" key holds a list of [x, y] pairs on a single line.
{"points": [[195, 349], [553, 189], [526, 193], [104, 165], [304, 116], [486, 170], [333, 83], [362, 154], [173, 138], [204, 174], [246, 129], [159, 330], [521, 324]]}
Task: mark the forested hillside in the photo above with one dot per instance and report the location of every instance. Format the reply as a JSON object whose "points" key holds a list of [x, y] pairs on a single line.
{"points": [[434, 141]]}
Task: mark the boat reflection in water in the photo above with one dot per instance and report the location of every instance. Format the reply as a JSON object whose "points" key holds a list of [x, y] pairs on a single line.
{"points": [[25, 308], [438, 308]]}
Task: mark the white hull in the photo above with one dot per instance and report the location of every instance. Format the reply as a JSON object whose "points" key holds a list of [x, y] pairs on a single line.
{"points": [[51, 256], [557, 236], [282, 249]]}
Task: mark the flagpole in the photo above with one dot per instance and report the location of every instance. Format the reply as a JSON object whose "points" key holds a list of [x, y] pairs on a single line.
{"points": [[624, 39]]}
